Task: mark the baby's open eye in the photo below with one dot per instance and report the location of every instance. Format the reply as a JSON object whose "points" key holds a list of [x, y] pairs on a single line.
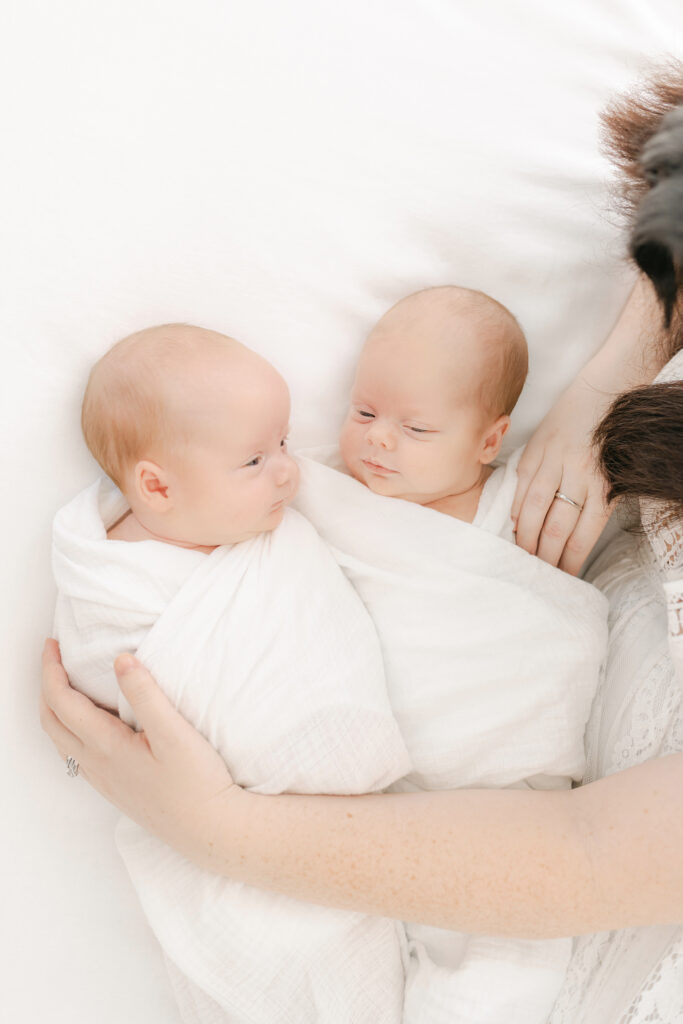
{"points": [[283, 443], [256, 461]]}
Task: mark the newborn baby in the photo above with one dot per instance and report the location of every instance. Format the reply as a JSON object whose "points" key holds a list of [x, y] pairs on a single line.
{"points": [[436, 382], [492, 657], [188, 554]]}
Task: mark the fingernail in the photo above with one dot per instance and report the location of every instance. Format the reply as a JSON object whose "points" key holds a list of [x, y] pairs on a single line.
{"points": [[125, 663]]}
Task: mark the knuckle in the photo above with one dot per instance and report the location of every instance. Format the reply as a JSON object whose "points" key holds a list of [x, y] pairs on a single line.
{"points": [[576, 546], [527, 544], [553, 529], [538, 497]]}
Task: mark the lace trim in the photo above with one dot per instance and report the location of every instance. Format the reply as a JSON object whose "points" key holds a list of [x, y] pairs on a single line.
{"points": [[633, 976], [674, 607], [594, 991], [664, 530], [660, 1000], [650, 718]]}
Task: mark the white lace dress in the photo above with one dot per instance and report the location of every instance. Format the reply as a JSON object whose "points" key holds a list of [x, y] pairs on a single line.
{"points": [[635, 975]]}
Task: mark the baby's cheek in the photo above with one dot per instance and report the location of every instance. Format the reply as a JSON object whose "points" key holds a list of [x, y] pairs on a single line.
{"points": [[429, 468], [347, 442]]}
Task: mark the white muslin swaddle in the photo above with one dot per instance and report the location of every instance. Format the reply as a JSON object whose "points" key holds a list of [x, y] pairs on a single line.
{"points": [[492, 659], [264, 647]]}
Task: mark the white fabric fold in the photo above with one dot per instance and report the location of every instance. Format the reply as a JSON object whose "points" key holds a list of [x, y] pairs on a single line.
{"points": [[492, 660], [264, 647], [492, 657]]}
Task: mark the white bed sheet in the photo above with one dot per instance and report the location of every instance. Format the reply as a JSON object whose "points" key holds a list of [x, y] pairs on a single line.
{"points": [[282, 172]]}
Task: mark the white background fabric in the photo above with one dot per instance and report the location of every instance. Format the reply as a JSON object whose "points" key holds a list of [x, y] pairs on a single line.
{"points": [[283, 172]]}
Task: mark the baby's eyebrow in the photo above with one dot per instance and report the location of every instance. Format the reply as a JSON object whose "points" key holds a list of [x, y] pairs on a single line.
{"points": [[419, 421]]}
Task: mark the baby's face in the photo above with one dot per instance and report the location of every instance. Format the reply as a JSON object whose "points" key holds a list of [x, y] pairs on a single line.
{"points": [[234, 478], [415, 428]]}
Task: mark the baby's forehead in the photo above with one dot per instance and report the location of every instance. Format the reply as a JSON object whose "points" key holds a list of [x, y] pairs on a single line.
{"points": [[412, 345], [193, 373]]}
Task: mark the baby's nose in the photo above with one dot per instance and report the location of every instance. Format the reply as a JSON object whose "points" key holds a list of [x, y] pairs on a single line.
{"points": [[380, 434], [287, 470]]}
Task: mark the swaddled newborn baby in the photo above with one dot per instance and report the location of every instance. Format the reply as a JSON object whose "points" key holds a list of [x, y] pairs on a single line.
{"points": [[188, 554], [492, 657]]}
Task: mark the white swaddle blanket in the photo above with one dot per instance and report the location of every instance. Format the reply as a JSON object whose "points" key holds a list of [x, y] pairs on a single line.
{"points": [[265, 647], [492, 659]]}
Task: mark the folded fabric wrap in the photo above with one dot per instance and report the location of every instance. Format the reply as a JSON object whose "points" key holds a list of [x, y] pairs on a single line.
{"points": [[265, 647]]}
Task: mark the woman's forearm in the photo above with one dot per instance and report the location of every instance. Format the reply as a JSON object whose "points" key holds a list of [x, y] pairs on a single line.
{"points": [[514, 862], [635, 350], [500, 862]]}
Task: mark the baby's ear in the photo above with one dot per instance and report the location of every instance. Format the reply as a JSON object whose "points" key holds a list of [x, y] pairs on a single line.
{"points": [[150, 483], [493, 439]]}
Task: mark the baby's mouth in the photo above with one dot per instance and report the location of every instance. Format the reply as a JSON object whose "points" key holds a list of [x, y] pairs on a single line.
{"points": [[283, 501], [378, 468]]}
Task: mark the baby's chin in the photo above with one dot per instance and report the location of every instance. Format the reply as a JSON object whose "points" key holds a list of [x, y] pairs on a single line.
{"points": [[269, 523], [389, 486], [393, 486]]}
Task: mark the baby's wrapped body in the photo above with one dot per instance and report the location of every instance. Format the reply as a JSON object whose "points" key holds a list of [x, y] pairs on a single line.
{"points": [[492, 658], [265, 647]]}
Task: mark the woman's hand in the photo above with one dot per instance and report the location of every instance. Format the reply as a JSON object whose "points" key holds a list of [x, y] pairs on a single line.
{"points": [[559, 458], [167, 777]]}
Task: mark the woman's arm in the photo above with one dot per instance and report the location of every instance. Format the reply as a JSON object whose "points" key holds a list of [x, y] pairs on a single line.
{"points": [[500, 862], [559, 456]]}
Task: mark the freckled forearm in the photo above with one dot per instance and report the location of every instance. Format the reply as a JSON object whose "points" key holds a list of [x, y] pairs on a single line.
{"points": [[498, 862], [472, 860]]}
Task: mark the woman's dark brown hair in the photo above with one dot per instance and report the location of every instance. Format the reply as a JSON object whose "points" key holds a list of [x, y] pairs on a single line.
{"points": [[643, 136], [640, 444], [640, 440]]}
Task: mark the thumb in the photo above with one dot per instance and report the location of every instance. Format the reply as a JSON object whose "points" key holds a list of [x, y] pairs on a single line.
{"points": [[152, 710]]}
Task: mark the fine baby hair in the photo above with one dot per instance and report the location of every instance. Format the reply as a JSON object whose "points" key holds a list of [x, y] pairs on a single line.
{"points": [[134, 393]]}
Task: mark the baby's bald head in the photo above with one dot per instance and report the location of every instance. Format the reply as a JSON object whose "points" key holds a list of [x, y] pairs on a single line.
{"points": [[146, 395], [470, 333]]}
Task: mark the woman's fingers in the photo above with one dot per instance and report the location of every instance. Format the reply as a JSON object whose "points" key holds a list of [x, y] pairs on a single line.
{"points": [[55, 685], [51, 652], [564, 535], [539, 496], [590, 525], [76, 726], [67, 744], [163, 726], [168, 777], [561, 519], [531, 459]]}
